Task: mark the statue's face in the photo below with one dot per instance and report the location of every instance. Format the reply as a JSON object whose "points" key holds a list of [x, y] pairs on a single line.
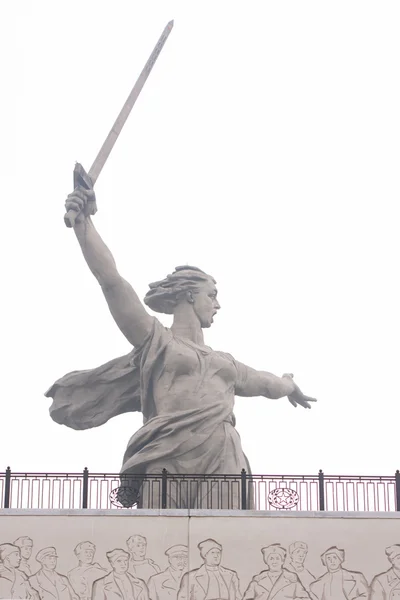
{"points": [[213, 557], [13, 559], [333, 562], [138, 547], [299, 555], [274, 561], [26, 551], [205, 303], [120, 564], [396, 562], [178, 561], [50, 562], [86, 556]]}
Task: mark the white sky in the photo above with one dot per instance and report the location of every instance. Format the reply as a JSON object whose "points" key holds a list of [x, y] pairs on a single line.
{"points": [[264, 149]]}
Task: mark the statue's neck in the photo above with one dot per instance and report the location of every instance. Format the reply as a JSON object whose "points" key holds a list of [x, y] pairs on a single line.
{"points": [[187, 325]]}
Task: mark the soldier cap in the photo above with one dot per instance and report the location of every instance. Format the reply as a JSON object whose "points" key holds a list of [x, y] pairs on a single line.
{"points": [[208, 545], [298, 546], [274, 549], [50, 551], [392, 551], [176, 550], [84, 546], [24, 540], [7, 549], [117, 553], [332, 550]]}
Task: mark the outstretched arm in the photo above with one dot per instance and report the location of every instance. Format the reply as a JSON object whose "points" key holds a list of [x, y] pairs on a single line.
{"points": [[124, 304], [261, 383]]}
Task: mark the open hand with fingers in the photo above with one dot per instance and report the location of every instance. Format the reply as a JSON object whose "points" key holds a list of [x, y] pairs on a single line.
{"points": [[297, 397]]}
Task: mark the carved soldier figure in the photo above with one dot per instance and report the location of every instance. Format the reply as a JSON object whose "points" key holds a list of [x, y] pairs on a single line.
{"points": [[184, 389], [13, 582], [275, 582], [49, 584], [25, 545], [165, 585], [386, 586], [82, 577], [119, 584], [139, 565], [211, 581], [338, 583], [297, 555]]}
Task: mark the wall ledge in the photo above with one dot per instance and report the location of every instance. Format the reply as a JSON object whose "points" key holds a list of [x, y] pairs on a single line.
{"points": [[25, 512]]}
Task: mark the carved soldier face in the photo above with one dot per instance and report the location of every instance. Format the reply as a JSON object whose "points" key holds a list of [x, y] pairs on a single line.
{"points": [[13, 559], [138, 547], [396, 562], [213, 557], [120, 564], [86, 556], [26, 551], [178, 561], [50, 562], [274, 561], [205, 303], [299, 556], [333, 562]]}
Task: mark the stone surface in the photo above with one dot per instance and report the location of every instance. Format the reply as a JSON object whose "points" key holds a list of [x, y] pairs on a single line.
{"points": [[245, 555], [184, 389]]}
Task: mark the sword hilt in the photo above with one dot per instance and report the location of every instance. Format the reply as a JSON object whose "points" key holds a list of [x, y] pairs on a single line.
{"points": [[81, 179]]}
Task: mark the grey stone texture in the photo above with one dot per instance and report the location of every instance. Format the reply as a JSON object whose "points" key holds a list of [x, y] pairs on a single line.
{"points": [[184, 389]]}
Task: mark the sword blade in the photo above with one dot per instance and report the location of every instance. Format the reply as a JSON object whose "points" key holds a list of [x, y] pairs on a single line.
{"points": [[116, 129]]}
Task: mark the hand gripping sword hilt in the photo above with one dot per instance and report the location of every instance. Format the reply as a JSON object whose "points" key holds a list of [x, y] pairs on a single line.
{"points": [[81, 179]]}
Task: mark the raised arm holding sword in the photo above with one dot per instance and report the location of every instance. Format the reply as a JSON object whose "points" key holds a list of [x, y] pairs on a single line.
{"points": [[185, 389]]}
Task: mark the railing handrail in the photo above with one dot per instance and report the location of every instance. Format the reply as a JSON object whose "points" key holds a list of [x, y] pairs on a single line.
{"points": [[321, 491], [187, 475]]}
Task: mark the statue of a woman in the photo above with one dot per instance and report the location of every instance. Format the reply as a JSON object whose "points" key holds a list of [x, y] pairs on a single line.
{"points": [[184, 389]]}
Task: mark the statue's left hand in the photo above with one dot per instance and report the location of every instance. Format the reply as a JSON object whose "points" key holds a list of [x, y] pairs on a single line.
{"points": [[297, 396]]}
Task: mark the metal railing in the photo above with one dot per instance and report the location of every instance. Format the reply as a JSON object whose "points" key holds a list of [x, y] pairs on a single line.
{"points": [[167, 490]]}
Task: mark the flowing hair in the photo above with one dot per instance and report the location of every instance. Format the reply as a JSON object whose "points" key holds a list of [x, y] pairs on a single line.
{"points": [[163, 295]]}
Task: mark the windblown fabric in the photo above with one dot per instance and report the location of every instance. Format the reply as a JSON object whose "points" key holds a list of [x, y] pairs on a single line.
{"points": [[197, 436]]}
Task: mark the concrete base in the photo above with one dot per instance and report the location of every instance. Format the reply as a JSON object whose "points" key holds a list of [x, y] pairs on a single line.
{"points": [[370, 543]]}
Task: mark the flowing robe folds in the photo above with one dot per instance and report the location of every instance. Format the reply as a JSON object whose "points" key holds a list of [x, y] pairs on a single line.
{"points": [[185, 393]]}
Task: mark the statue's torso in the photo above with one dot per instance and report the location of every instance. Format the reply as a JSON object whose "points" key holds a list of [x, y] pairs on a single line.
{"points": [[190, 376]]}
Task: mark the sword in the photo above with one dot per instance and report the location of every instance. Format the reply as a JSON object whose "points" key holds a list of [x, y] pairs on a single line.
{"points": [[87, 180]]}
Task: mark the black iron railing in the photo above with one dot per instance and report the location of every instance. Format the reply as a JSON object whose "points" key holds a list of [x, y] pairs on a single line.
{"points": [[166, 490]]}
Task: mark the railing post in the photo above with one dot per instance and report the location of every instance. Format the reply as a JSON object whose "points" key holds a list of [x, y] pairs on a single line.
{"points": [[164, 488], [321, 490], [7, 488], [243, 477], [397, 481], [85, 488]]}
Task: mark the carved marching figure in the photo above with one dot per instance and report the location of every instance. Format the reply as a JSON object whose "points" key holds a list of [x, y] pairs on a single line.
{"points": [[25, 545], [13, 582], [165, 585], [275, 582], [297, 555], [82, 577], [184, 388], [47, 582], [119, 584], [338, 583], [211, 581], [139, 565], [386, 586]]}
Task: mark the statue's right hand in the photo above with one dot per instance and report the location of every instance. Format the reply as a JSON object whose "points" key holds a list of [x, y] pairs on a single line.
{"points": [[82, 202]]}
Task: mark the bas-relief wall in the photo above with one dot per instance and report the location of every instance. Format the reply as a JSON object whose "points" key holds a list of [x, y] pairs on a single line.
{"points": [[226, 555]]}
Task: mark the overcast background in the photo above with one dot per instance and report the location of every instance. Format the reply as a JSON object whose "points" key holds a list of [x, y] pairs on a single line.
{"points": [[265, 149]]}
